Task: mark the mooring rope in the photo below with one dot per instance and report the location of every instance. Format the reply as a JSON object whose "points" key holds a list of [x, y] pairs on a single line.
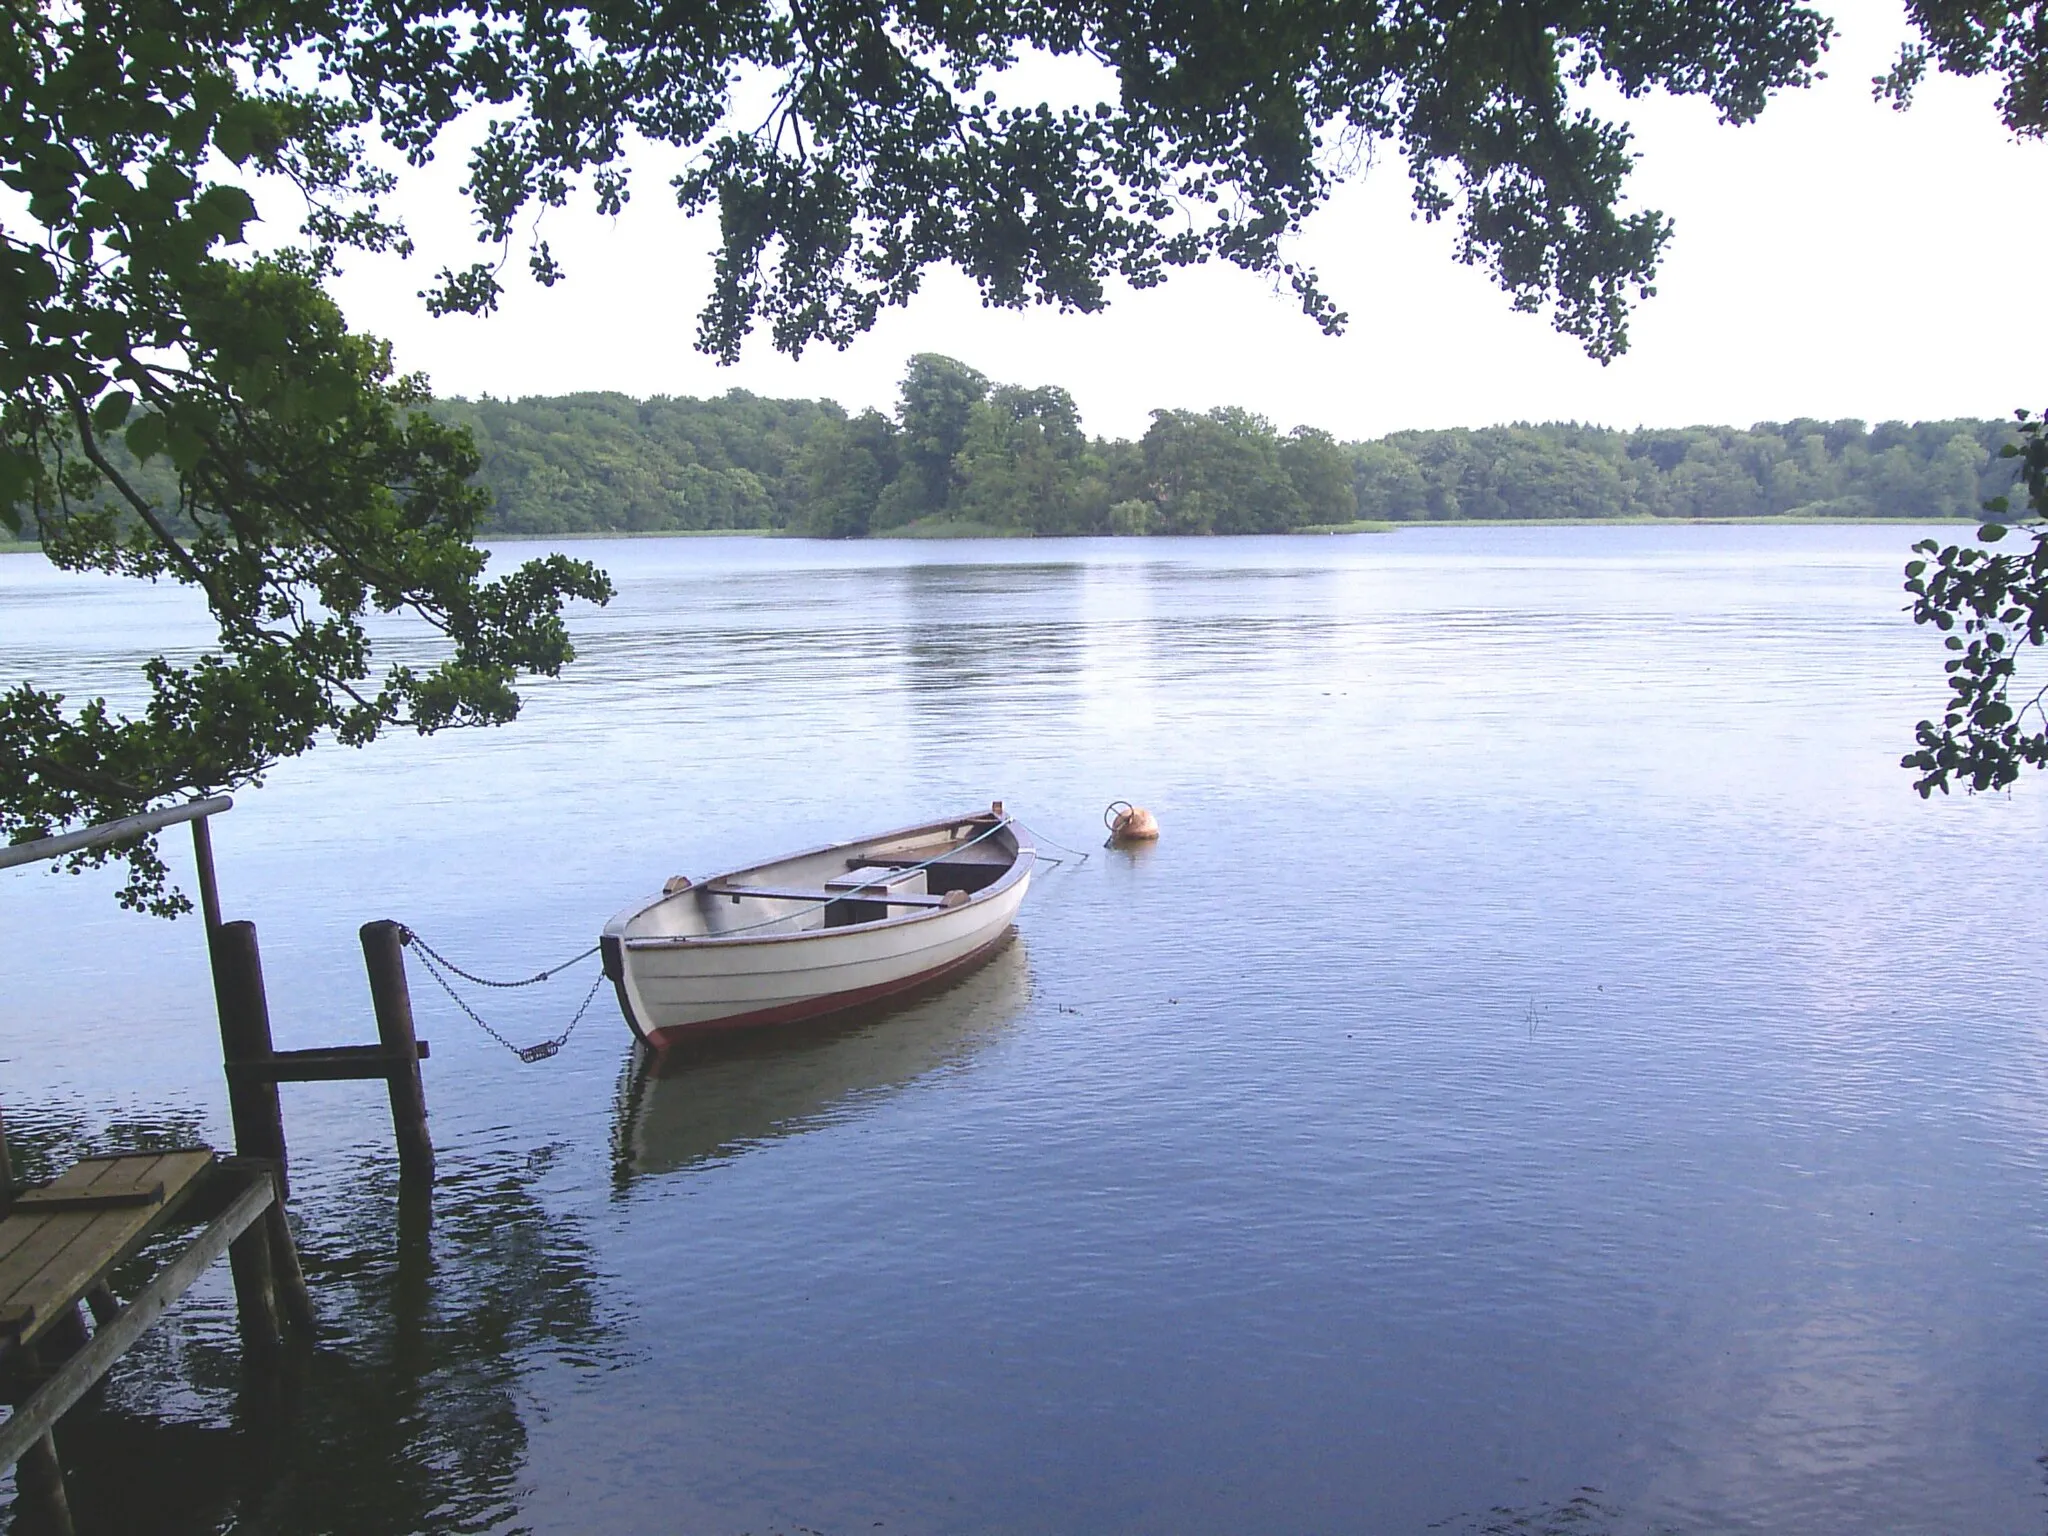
{"points": [[436, 963], [1079, 853]]}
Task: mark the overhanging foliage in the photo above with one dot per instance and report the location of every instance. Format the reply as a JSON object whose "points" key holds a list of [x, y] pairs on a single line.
{"points": [[1990, 604]]}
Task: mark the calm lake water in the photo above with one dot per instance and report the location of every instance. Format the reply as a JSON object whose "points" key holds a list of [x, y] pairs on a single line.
{"points": [[1551, 1074]]}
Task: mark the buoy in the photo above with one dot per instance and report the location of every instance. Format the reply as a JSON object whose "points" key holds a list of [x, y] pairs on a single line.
{"points": [[1129, 823]]}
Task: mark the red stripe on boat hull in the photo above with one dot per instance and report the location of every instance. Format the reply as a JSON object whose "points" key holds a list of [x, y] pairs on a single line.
{"points": [[818, 1007]]}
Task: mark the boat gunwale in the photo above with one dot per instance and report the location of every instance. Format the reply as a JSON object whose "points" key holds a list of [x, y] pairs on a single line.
{"points": [[1020, 868]]}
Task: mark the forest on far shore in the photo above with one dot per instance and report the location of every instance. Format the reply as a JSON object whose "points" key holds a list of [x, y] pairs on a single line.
{"points": [[964, 455], [963, 452]]}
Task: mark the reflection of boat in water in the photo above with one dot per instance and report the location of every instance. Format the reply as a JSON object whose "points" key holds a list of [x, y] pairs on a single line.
{"points": [[818, 932], [716, 1096]]}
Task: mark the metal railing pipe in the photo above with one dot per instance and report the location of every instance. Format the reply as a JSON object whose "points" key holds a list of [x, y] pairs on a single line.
{"points": [[12, 854]]}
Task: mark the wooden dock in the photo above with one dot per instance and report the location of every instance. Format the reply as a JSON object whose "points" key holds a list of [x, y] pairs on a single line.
{"points": [[59, 1247], [61, 1243]]}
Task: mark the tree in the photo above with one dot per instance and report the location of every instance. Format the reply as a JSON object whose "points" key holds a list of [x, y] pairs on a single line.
{"points": [[939, 397], [311, 489], [1023, 464], [588, 462], [847, 465], [1970, 37], [1218, 472], [1320, 473], [1387, 483]]}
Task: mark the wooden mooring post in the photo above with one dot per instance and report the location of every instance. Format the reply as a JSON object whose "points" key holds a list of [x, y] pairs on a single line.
{"points": [[384, 955], [255, 1066], [271, 1278], [245, 1038], [39, 1477]]}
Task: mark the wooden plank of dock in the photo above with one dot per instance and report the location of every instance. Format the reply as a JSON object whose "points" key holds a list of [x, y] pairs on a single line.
{"points": [[71, 1380], [60, 1241]]}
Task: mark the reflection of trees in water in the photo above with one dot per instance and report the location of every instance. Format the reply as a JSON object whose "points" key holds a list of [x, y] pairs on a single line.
{"points": [[965, 627], [404, 1418], [44, 1140]]}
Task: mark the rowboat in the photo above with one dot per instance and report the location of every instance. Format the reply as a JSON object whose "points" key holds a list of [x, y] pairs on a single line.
{"points": [[818, 932]]}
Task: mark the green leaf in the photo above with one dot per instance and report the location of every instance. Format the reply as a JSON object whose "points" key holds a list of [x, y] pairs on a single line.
{"points": [[221, 211], [185, 445], [1991, 533], [112, 410], [145, 437], [168, 181], [234, 137], [188, 131]]}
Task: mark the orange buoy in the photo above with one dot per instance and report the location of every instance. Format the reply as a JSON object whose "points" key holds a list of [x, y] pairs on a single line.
{"points": [[1130, 823]]}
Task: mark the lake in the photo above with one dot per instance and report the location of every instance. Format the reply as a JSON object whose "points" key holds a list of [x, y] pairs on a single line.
{"points": [[1551, 1074]]}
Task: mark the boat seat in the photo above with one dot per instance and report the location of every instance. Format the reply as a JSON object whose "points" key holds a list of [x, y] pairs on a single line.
{"points": [[982, 855], [968, 870], [861, 877], [851, 893]]}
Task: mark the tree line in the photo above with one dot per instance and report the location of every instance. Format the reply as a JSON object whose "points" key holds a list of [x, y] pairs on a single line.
{"points": [[962, 452]]}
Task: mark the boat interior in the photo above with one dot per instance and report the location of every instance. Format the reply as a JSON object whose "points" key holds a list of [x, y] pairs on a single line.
{"points": [[936, 866]]}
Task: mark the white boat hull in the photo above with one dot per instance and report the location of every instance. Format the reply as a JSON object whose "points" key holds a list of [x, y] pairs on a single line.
{"points": [[685, 963]]}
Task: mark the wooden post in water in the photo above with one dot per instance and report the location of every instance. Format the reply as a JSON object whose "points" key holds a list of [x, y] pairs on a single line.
{"points": [[245, 1037], [285, 1269], [255, 1292], [6, 1171], [209, 887], [384, 955], [39, 1475], [244, 1007], [259, 1123]]}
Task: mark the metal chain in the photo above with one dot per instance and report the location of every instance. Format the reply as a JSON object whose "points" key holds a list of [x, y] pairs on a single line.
{"points": [[526, 1053], [407, 936]]}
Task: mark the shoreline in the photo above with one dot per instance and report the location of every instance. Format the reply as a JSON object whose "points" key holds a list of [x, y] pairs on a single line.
{"points": [[951, 531]]}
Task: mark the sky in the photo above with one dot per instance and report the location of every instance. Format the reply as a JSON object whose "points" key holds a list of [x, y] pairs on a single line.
{"points": [[1834, 259]]}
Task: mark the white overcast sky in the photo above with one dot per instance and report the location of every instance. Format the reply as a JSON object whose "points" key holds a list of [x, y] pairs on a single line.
{"points": [[1834, 259]]}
